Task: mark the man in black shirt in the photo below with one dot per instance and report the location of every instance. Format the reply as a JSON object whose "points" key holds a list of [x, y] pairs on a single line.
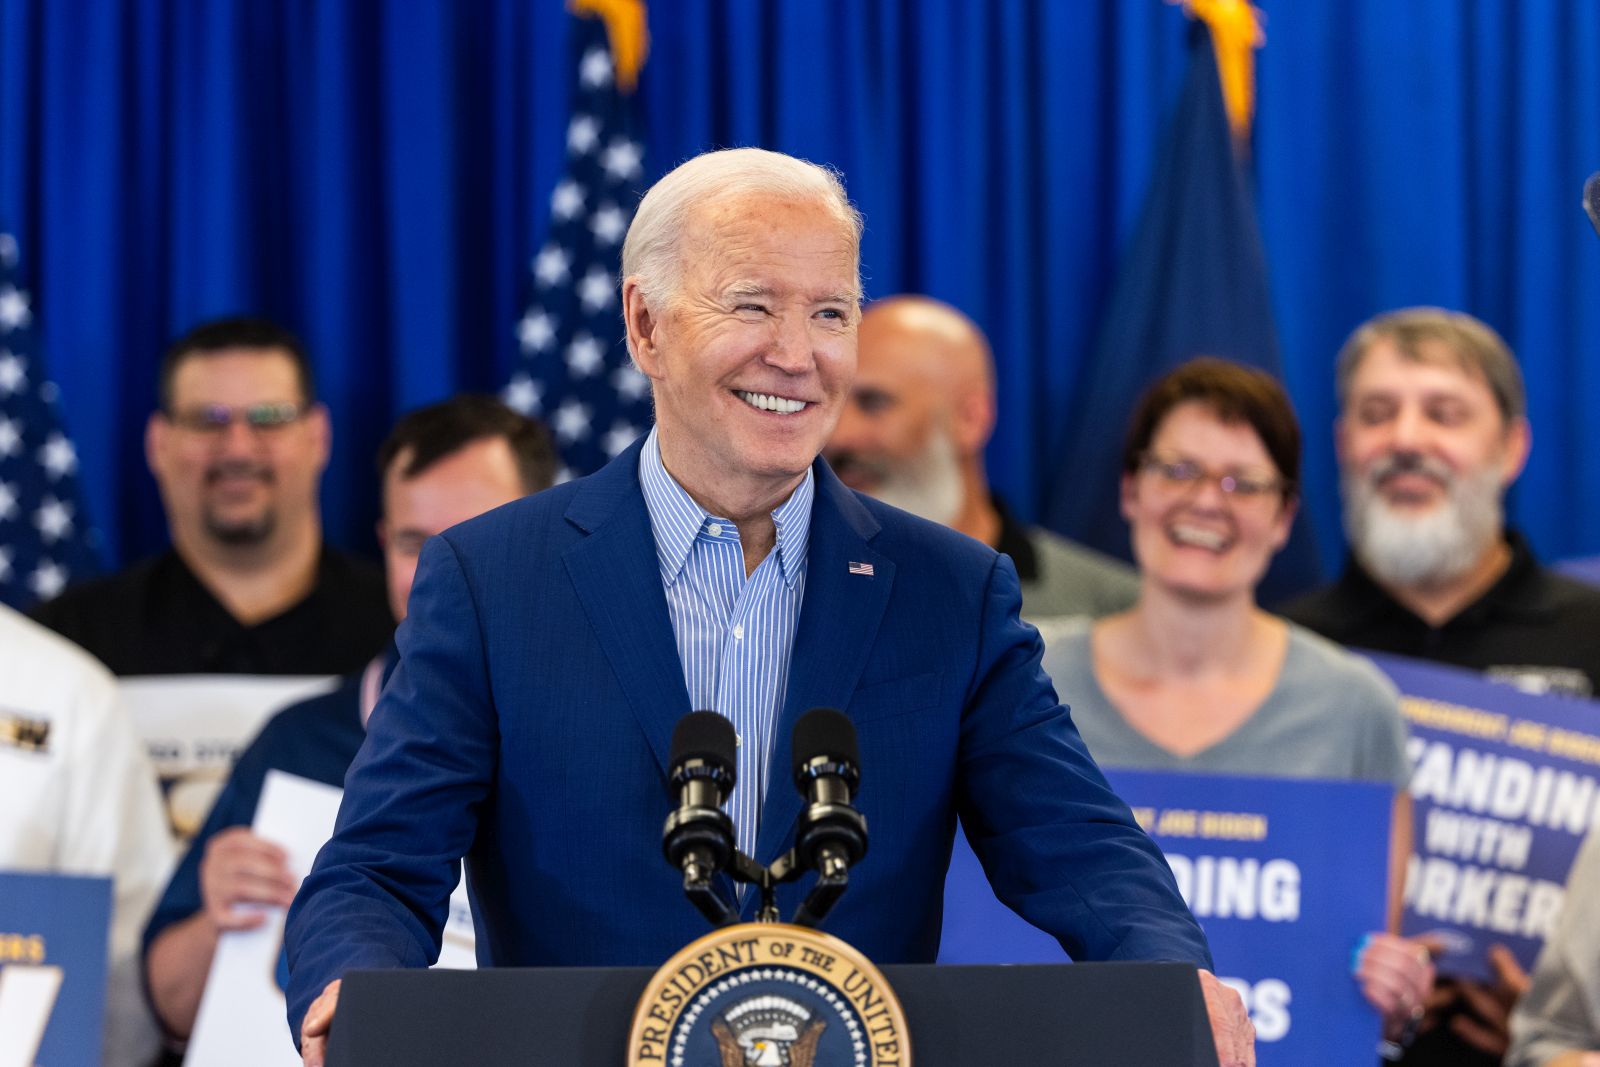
{"points": [[441, 465], [1432, 430], [248, 587]]}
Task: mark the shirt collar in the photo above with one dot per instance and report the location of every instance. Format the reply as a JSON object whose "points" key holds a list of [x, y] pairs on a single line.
{"points": [[1013, 541], [676, 520], [1520, 591]]}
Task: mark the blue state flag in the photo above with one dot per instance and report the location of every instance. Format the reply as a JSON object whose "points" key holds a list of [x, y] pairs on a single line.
{"points": [[1193, 282], [573, 370], [45, 538]]}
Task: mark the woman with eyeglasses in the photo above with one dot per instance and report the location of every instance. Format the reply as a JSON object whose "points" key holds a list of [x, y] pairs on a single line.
{"points": [[1196, 677]]}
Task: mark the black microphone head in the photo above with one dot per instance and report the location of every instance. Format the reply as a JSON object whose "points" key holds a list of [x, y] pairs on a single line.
{"points": [[1591, 200], [823, 733], [709, 738]]}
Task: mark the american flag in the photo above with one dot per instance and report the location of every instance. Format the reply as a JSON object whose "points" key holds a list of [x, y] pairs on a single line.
{"points": [[45, 540], [573, 371]]}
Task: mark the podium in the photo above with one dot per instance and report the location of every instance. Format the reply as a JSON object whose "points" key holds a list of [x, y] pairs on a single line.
{"points": [[1082, 1015]]}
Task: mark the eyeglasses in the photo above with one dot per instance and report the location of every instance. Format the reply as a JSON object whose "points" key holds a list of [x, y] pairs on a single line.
{"points": [[1186, 476], [216, 418]]}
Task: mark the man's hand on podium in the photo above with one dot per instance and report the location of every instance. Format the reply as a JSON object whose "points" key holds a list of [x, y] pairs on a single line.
{"points": [[314, 1029], [1231, 1027]]}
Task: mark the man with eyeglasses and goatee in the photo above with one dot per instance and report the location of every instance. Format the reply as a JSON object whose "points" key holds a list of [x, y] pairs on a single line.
{"points": [[248, 587]]}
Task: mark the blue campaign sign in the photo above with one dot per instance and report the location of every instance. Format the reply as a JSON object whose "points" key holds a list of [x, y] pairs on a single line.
{"points": [[1506, 785], [53, 931], [1285, 875]]}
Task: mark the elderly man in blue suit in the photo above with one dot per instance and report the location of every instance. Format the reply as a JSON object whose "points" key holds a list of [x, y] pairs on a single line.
{"points": [[552, 645]]}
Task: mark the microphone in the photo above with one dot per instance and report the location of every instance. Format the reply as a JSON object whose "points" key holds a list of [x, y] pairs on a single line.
{"points": [[698, 837], [832, 834], [1591, 200]]}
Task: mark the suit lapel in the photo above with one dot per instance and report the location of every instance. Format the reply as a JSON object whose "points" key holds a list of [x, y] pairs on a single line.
{"points": [[618, 582], [838, 624]]}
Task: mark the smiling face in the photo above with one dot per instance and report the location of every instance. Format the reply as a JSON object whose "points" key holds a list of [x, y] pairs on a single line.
{"points": [[235, 484], [1194, 538], [1425, 455], [1412, 428], [751, 359], [921, 410]]}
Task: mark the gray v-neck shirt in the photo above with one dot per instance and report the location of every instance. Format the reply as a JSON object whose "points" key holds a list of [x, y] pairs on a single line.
{"points": [[1330, 715]]}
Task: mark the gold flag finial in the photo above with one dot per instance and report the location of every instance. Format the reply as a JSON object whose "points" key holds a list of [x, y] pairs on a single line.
{"points": [[1235, 35], [626, 27]]}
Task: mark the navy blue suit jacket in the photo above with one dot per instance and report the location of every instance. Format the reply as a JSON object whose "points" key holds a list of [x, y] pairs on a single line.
{"points": [[528, 724]]}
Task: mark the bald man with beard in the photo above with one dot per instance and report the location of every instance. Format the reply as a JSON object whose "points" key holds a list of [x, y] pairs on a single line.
{"points": [[913, 435]]}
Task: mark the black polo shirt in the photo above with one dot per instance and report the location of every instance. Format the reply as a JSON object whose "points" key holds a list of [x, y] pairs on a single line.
{"points": [[1534, 628], [157, 618]]}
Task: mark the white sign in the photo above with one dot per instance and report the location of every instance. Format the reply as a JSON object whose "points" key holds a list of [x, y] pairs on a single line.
{"points": [[193, 725], [242, 1020]]}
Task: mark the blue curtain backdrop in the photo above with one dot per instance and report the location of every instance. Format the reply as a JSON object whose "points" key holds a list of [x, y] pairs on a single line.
{"points": [[376, 175]]}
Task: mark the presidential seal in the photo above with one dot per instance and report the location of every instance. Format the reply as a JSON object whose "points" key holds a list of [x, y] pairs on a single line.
{"points": [[768, 995]]}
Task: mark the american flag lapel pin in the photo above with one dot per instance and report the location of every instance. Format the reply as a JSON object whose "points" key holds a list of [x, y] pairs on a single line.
{"points": [[861, 568]]}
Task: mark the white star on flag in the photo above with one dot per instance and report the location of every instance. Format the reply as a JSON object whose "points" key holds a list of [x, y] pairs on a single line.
{"points": [[585, 355], [567, 200], [535, 331], [53, 519], [58, 456], [583, 132], [12, 376], [619, 437], [622, 159], [524, 395], [596, 68], [45, 540], [569, 336], [551, 265], [597, 289], [571, 420], [47, 580], [608, 225], [629, 383], [14, 313]]}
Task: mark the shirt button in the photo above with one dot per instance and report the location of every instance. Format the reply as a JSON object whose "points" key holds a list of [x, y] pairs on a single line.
{"points": [[715, 529], [738, 631], [737, 740]]}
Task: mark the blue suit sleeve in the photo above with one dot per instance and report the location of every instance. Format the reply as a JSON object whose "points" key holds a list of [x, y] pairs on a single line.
{"points": [[1059, 847], [379, 891]]}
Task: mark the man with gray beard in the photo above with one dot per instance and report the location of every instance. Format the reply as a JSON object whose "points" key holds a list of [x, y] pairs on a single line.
{"points": [[237, 448], [913, 433], [1432, 431]]}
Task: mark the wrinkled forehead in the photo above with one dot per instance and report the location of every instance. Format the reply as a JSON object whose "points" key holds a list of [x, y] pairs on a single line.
{"points": [[1424, 364], [726, 232]]}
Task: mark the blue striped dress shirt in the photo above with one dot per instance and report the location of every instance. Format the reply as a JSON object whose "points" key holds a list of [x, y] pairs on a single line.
{"points": [[734, 634]]}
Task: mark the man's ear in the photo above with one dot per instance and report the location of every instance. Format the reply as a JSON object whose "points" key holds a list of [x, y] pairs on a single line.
{"points": [[156, 435], [321, 427], [972, 421], [640, 324], [1518, 443]]}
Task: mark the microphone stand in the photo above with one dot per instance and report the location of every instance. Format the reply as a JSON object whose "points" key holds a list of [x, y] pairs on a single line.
{"points": [[832, 880]]}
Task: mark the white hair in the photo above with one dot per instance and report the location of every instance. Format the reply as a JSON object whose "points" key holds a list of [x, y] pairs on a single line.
{"points": [[652, 251]]}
